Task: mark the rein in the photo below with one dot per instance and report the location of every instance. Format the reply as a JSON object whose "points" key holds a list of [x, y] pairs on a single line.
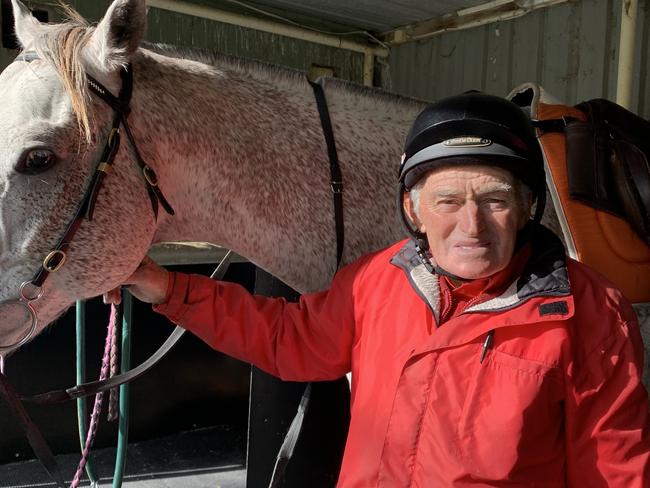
{"points": [[32, 290]]}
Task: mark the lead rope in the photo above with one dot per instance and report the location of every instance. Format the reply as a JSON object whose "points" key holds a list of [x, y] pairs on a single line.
{"points": [[97, 407], [114, 392]]}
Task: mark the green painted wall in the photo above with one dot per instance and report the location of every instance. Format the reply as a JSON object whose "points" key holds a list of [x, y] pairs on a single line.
{"points": [[181, 30]]}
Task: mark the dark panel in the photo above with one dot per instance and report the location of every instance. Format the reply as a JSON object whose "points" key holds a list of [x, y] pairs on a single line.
{"points": [[9, 40], [193, 387], [316, 461]]}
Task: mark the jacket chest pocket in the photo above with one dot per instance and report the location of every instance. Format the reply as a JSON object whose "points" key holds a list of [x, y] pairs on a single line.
{"points": [[511, 423]]}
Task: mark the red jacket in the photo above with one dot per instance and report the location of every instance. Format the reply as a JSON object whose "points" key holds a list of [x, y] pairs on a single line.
{"points": [[557, 400]]}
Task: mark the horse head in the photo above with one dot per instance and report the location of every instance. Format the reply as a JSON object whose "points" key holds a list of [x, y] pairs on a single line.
{"points": [[52, 134]]}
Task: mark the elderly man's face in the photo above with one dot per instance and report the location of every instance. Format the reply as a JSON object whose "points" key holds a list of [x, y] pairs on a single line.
{"points": [[471, 216]]}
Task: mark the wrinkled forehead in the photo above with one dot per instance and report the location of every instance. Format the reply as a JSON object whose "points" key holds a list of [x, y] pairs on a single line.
{"points": [[32, 91], [478, 176]]}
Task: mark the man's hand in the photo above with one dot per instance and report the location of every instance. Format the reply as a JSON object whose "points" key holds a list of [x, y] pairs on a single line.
{"points": [[148, 283]]}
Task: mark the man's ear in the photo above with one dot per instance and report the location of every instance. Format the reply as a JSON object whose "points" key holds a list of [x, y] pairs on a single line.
{"points": [[118, 35], [411, 214], [26, 26]]}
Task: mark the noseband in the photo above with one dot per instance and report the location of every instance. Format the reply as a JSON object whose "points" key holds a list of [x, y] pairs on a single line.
{"points": [[30, 291]]}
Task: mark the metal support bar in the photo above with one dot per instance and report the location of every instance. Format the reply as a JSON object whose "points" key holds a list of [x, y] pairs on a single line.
{"points": [[294, 32], [486, 13], [125, 365], [81, 378], [626, 53]]}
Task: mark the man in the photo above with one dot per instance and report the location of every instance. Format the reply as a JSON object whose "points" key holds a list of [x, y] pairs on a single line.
{"points": [[480, 354]]}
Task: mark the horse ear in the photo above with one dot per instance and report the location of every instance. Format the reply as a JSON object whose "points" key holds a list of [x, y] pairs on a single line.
{"points": [[26, 26], [119, 33]]}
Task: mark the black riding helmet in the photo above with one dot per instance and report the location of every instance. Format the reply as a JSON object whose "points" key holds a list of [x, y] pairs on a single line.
{"points": [[471, 129]]}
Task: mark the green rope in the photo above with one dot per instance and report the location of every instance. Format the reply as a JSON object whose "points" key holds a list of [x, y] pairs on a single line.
{"points": [[81, 378], [125, 365]]}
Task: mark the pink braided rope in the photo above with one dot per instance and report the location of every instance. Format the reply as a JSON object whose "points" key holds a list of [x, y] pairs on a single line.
{"points": [[97, 407], [114, 392]]}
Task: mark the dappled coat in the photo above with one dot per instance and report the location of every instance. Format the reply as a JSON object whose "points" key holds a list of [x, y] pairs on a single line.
{"points": [[556, 401]]}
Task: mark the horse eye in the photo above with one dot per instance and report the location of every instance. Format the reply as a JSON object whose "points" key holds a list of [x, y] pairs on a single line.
{"points": [[36, 161]]}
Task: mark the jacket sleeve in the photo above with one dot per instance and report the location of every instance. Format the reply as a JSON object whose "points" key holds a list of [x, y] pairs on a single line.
{"points": [[607, 413], [306, 341]]}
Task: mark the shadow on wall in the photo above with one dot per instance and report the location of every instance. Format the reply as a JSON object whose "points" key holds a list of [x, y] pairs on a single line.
{"points": [[193, 387]]}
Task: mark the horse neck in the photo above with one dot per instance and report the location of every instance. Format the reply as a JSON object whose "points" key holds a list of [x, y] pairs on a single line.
{"points": [[206, 131], [243, 160]]}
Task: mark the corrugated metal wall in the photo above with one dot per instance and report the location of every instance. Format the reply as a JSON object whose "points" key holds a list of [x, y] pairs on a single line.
{"points": [[570, 49], [182, 30]]}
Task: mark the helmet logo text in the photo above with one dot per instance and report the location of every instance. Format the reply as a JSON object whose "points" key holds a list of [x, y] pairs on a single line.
{"points": [[467, 141]]}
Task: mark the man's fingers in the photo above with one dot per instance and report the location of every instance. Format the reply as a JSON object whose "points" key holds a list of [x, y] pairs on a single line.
{"points": [[113, 297]]}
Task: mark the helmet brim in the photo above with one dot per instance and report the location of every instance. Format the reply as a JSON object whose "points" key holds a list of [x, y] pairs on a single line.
{"points": [[508, 162]]}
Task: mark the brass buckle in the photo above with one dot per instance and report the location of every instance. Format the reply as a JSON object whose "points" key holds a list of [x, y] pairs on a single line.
{"points": [[150, 175], [52, 268], [104, 167]]}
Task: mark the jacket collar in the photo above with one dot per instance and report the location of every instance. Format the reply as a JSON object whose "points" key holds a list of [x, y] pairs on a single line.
{"points": [[545, 275]]}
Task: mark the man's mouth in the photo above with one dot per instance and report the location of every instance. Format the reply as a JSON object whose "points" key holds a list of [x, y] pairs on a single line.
{"points": [[472, 247]]}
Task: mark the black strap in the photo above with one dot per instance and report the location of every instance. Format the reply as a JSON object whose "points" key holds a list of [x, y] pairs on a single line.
{"points": [[93, 387], [121, 108], [34, 436], [336, 185], [553, 125], [336, 178], [290, 439]]}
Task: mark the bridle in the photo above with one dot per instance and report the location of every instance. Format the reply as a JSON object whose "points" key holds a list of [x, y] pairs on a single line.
{"points": [[32, 290]]}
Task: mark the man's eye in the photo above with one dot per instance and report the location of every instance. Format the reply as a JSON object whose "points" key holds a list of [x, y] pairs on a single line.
{"points": [[496, 203], [36, 161]]}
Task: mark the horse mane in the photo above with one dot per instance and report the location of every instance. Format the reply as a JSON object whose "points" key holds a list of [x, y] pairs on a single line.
{"points": [[265, 71], [62, 46]]}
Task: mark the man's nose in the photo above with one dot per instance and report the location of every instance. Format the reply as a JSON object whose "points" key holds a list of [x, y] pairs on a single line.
{"points": [[472, 221]]}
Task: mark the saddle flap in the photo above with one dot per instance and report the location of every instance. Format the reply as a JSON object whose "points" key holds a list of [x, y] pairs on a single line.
{"points": [[609, 159], [600, 239], [588, 167], [631, 175]]}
